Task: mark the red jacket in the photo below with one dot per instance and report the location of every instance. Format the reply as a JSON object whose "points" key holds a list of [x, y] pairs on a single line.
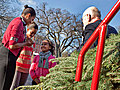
{"points": [[14, 34]]}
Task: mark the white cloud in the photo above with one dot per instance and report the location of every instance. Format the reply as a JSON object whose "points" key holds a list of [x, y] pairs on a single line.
{"points": [[28, 2], [31, 3]]}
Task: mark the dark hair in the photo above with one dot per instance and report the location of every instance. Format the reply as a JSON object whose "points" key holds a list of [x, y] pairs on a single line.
{"points": [[51, 44], [30, 10], [33, 25]]}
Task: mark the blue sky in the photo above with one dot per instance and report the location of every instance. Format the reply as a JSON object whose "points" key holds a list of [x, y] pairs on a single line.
{"points": [[78, 6]]}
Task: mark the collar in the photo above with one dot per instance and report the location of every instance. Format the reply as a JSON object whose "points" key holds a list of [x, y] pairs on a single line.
{"points": [[96, 20], [24, 23]]}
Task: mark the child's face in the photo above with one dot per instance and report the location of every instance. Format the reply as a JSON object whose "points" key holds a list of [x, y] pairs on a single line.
{"points": [[45, 46], [31, 32]]}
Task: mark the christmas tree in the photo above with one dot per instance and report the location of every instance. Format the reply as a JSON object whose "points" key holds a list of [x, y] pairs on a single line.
{"points": [[62, 76]]}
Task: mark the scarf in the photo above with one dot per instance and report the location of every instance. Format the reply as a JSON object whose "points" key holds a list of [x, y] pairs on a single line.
{"points": [[44, 56]]}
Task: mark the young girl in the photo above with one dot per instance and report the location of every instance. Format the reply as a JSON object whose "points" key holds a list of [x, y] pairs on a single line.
{"points": [[41, 64], [24, 60]]}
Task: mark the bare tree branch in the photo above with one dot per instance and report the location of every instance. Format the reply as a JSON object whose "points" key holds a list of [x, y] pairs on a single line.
{"points": [[61, 26]]}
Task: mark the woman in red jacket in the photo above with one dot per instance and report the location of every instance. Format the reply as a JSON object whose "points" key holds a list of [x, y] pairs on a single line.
{"points": [[24, 60], [13, 41]]}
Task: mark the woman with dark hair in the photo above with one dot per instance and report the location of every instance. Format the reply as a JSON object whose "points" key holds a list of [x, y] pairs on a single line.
{"points": [[41, 64], [13, 40], [24, 60]]}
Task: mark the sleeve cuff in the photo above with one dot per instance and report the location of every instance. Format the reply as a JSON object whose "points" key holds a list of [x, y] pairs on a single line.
{"points": [[34, 77]]}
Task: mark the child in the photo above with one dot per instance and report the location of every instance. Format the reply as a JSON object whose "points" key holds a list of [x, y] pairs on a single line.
{"points": [[24, 60], [41, 64]]}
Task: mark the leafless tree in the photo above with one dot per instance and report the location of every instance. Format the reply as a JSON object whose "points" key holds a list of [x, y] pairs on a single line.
{"points": [[38, 39], [7, 13], [61, 26]]}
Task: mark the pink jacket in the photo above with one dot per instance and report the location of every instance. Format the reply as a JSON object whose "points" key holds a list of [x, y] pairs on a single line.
{"points": [[36, 72]]}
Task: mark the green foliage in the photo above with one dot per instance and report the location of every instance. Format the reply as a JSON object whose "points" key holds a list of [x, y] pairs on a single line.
{"points": [[62, 76]]}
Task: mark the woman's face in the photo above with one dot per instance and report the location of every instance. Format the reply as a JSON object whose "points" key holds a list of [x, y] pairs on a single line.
{"points": [[31, 32], [45, 46], [29, 18]]}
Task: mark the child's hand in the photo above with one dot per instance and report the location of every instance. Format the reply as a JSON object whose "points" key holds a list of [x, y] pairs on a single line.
{"points": [[29, 42], [37, 80]]}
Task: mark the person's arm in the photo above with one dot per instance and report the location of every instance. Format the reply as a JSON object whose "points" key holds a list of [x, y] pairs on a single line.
{"points": [[16, 31], [19, 45], [32, 71], [52, 64]]}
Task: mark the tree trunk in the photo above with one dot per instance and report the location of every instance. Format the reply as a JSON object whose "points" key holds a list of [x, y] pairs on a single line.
{"points": [[57, 50], [59, 53]]}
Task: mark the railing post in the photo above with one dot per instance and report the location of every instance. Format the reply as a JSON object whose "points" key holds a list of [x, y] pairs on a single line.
{"points": [[82, 54], [99, 56]]}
